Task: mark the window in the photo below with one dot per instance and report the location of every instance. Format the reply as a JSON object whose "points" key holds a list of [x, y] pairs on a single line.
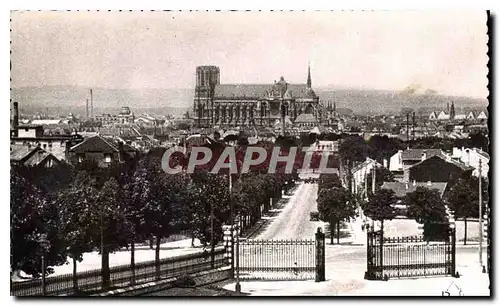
{"points": [[81, 157], [107, 158]]}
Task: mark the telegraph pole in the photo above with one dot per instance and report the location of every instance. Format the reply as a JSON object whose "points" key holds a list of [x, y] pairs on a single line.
{"points": [[480, 218]]}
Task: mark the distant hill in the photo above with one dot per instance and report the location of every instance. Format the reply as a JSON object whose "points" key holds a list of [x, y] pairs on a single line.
{"points": [[66, 99], [369, 102]]}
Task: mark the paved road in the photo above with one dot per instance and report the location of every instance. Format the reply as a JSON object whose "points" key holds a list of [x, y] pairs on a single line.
{"points": [[293, 221]]}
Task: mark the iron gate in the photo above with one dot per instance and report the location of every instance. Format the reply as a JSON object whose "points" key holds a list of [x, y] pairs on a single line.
{"points": [[400, 257], [283, 259]]}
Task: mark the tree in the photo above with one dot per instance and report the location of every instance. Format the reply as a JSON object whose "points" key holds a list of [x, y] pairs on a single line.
{"points": [[109, 224], [384, 147], [208, 207], [327, 181], [380, 206], [427, 207], [381, 175], [152, 191], [463, 200], [335, 205], [75, 215], [31, 216]]}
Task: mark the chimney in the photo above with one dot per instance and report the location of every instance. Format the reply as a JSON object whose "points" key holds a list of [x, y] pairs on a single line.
{"points": [[414, 183], [424, 154], [91, 104], [15, 117], [385, 163], [406, 185]]}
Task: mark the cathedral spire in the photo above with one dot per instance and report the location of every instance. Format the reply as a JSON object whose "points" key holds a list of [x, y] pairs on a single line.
{"points": [[309, 75]]}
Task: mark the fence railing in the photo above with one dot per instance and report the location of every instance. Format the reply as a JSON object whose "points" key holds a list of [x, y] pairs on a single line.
{"points": [[397, 257], [277, 259], [90, 282]]}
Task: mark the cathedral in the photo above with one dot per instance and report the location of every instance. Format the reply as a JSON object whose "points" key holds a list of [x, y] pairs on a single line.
{"points": [[246, 105]]}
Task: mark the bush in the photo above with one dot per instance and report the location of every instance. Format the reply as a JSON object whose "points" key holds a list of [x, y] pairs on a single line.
{"points": [[436, 231], [184, 281]]}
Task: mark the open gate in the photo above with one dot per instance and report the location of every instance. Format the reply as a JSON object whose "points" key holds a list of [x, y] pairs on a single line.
{"points": [[282, 259], [401, 257]]}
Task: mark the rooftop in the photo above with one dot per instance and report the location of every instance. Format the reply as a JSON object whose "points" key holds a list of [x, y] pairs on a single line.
{"points": [[416, 154], [401, 189], [260, 91]]}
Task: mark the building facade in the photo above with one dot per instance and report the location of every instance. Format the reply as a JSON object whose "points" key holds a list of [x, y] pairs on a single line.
{"points": [[240, 105], [124, 117]]}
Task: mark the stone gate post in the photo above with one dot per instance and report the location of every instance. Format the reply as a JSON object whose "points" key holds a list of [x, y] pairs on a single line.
{"points": [[320, 256]]}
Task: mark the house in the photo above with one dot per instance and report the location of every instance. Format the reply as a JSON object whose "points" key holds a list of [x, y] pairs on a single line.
{"points": [[32, 156], [401, 189], [28, 131], [443, 116], [101, 150], [403, 160], [471, 116], [361, 172], [482, 116], [439, 168], [326, 145], [471, 157], [460, 117], [48, 121], [432, 116]]}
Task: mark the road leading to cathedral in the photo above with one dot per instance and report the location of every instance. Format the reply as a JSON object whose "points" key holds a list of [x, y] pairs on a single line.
{"points": [[293, 221]]}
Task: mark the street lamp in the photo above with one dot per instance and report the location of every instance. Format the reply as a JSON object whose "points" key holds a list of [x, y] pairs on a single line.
{"points": [[44, 246]]}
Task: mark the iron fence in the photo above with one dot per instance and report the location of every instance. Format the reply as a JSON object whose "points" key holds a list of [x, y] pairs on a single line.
{"points": [[414, 256], [277, 259], [90, 282]]}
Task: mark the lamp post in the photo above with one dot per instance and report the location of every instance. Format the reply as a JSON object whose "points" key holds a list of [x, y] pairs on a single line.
{"points": [[44, 246]]}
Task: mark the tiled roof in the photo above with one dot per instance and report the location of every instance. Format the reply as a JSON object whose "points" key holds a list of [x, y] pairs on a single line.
{"points": [[305, 118], [400, 188], [458, 164], [29, 156], [37, 158], [482, 153], [19, 152], [259, 91], [416, 154], [94, 144]]}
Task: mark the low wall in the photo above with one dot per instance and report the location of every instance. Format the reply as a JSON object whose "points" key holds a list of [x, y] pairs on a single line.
{"points": [[200, 278]]}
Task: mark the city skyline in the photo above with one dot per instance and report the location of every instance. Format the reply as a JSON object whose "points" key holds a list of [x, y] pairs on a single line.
{"points": [[161, 49]]}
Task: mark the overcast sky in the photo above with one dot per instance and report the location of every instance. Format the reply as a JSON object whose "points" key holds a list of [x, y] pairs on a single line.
{"points": [[443, 51]]}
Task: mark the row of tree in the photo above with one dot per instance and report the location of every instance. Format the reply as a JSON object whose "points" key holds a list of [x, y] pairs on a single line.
{"points": [[90, 208], [428, 207]]}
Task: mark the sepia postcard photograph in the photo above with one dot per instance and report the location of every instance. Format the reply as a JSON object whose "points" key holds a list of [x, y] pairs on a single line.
{"points": [[250, 153]]}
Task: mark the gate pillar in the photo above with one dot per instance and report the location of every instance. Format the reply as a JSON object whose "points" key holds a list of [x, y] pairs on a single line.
{"points": [[320, 256]]}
